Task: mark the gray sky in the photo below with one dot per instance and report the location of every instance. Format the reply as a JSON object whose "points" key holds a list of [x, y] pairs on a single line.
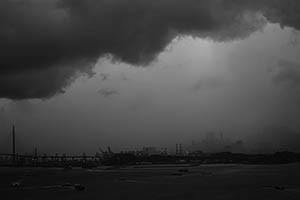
{"points": [[236, 70]]}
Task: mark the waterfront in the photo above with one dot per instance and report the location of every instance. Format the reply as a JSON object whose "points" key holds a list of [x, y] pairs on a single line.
{"points": [[154, 182]]}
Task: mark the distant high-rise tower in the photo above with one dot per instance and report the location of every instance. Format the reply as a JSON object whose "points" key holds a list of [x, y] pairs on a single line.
{"points": [[180, 149], [35, 153], [221, 136]]}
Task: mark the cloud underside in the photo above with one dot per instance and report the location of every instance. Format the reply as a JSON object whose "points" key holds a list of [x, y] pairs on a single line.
{"points": [[45, 45]]}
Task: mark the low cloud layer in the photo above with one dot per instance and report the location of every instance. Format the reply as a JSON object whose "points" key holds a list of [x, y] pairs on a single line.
{"points": [[45, 45], [106, 92], [286, 73]]}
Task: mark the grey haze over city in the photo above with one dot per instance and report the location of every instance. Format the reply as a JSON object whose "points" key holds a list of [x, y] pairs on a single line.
{"points": [[77, 75]]}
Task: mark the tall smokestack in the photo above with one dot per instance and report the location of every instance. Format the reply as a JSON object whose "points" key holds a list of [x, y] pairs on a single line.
{"points": [[14, 144]]}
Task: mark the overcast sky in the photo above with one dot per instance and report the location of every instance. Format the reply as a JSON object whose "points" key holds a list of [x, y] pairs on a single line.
{"points": [[76, 75]]}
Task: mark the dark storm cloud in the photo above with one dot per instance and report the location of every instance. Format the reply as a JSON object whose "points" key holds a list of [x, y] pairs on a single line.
{"points": [[286, 73], [42, 42], [40, 83]]}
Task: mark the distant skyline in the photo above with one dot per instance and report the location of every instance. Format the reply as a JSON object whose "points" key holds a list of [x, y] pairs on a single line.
{"points": [[78, 75]]}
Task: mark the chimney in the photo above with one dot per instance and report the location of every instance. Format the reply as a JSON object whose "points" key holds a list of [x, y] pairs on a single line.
{"points": [[13, 144]]}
